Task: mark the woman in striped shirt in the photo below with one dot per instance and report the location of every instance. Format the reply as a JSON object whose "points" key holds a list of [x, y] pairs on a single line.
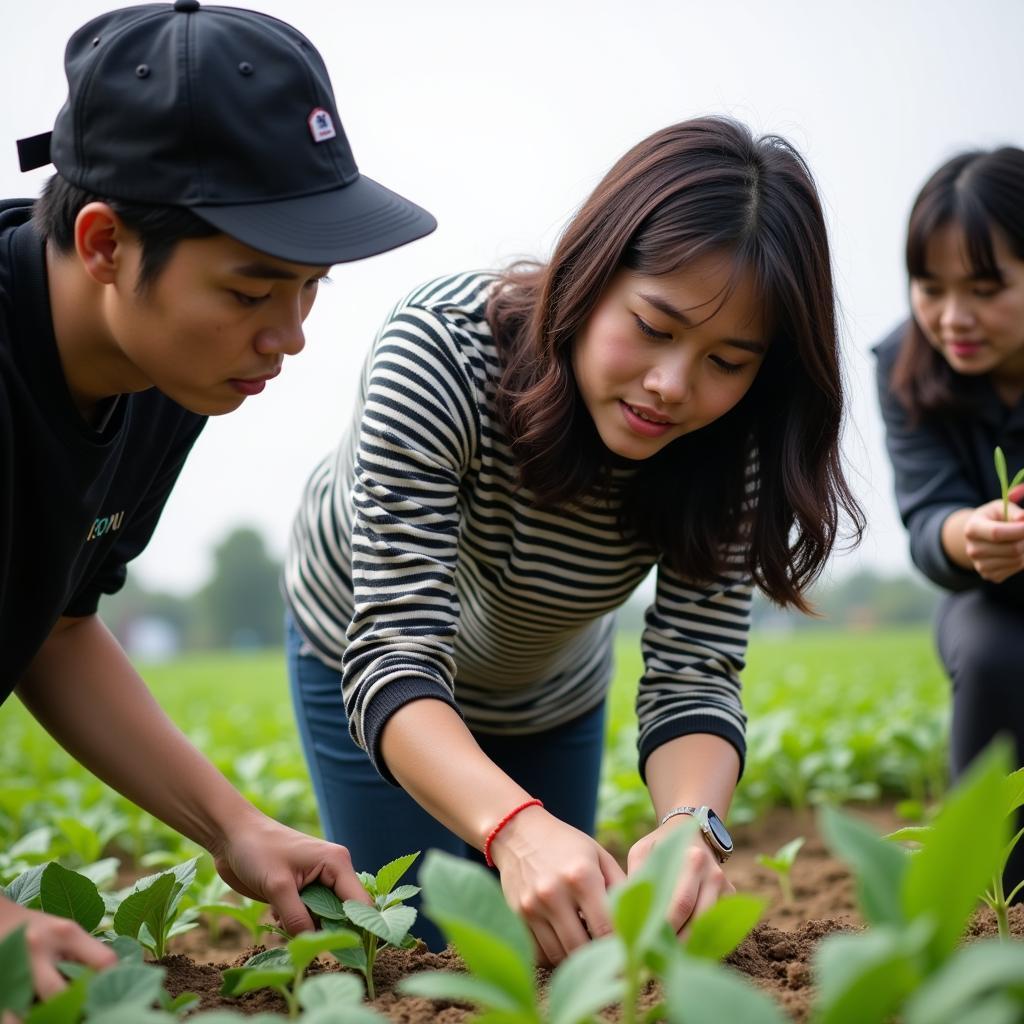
{"points": [[526, 446]]}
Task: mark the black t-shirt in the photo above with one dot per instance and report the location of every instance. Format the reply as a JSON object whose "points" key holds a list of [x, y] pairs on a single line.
{"points": [[76, 503]]}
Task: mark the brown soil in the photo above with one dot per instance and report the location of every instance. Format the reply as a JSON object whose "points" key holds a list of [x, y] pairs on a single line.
{"points": [[777, 955]]}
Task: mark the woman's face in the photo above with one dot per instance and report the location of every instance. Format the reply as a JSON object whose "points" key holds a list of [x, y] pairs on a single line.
{"points": [[652, 365], [977, 324]]}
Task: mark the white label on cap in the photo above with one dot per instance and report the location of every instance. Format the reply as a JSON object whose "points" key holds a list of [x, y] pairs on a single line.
{"points": [[321, 127]]}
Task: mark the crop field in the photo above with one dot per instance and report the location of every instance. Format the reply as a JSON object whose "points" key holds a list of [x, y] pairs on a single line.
{"points": [[833, 717]]}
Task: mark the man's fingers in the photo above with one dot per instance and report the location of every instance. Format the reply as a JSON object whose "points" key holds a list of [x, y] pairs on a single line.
{"points": [[289, 908], [339, 875]]}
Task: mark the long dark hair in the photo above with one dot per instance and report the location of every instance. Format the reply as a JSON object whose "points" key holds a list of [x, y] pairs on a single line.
{"points": [[977, 191], [704, 186]]}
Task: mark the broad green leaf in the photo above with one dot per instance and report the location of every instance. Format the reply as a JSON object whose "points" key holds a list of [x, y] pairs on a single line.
{"points": [[459, 890], [128, 985], [127, 949], [963, 852], [25, 888], [354, 957], [1014, 787], [973, 972], [403, 892], [700, 992], [723, 926], [391, 925], [85, 841], [277, 957], [863, 979], [15, 972], [388, 876], [305, 948], [128, 1014], [586, 982], [63, 1008], [994, 1009], [878, 866], [333, 989], [243, 915], [36, 843], [239, 980], [101, 872], [69, 894], [492, 959], [463, 987], [631, 904], [138, 907], [179, 1004], [909, 834], [323, 902]]}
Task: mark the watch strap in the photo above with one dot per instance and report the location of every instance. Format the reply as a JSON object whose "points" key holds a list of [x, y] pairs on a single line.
{"points": [[692, 811]]}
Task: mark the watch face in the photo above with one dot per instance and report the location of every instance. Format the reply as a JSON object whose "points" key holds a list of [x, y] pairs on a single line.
{"points": [[721, 833]]}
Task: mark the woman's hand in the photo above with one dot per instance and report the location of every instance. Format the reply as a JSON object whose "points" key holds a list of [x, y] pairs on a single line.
{"points": [[267, 861], [556, 877], [50, 940], [995, 546], [701, 879]]}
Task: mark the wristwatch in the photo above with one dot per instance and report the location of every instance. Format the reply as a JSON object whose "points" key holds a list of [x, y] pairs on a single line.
{"points": [[716, 835]]}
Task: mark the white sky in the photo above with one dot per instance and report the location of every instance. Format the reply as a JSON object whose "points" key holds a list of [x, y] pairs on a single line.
{"points": [[500, 118]]}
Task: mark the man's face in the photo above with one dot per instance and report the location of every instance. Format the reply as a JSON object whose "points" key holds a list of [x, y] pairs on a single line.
{"points": [[214, 326]]}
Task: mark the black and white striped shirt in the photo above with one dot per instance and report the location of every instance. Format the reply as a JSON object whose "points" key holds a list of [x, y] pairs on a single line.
{"points": [[418, 567]]}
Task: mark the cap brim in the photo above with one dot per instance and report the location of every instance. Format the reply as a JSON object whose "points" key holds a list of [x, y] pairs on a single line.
{"points": [[350, 223]]}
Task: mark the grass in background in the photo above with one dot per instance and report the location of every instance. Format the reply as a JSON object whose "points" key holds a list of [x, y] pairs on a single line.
{"points": [[832, 717]]}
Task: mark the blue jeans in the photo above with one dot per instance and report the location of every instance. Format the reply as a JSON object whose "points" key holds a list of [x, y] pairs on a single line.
{"points": [[379, 822]]}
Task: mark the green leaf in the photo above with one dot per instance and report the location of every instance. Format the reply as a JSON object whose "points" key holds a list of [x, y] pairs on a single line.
{"points": [[305, 948], [68, 894], [723, 926], [245, 916], [972, 973], [15, 972], [865, 978], [124, 985], [1014, 786], [347, 1015], [879, 866], [462, 987], [388, 876], [127, 949], [333, 989], [586, 982], [25, 888], [909, 834], [1000, 460], [963, 852], [458, 890], [354, 958], [277, 957], [391, 925], [130, 1015], [403, 892], [724, 995], [101, 872], [323, 902], [63, 1008], [138, 907], [631, 904], [239, 980]]}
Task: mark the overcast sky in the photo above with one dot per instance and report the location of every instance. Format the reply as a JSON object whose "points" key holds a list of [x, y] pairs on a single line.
{"points": [[500, 118]]}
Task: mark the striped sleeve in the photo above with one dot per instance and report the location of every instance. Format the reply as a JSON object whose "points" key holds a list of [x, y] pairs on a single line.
{"points": [[694, 645], [417, 438]]}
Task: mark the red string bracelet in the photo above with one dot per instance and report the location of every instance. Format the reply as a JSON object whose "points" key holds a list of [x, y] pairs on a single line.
{"points": [[501, 824]]}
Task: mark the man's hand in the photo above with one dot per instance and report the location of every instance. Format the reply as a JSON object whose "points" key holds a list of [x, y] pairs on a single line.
{"points": [[52, 939], [701, 881], [268, 861]]}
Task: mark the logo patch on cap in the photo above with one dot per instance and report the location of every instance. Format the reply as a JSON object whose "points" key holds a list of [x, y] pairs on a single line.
{"points": [[321, 127]]}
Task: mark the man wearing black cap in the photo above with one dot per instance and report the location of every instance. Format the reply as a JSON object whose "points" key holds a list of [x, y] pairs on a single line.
{"points": [[204, 186]]}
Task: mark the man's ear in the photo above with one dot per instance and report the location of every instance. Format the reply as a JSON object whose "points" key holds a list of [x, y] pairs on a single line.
{"points": [[100, 237]]}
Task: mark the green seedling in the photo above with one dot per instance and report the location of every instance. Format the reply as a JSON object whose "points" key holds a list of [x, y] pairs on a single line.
{"points": [[387, 922], [248, 913], [284, 969], [151, 912], [918, 905], [467, 903], [1005, 484], [782, 864]]}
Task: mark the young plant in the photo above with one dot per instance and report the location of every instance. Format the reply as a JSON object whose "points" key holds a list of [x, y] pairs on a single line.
{"points": [[387, 922], [918, 905], [151, 912], [782, 864], [1005, 484], [284, 969], [248, 913]]}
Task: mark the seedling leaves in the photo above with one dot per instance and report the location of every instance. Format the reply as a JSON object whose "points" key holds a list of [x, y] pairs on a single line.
{"points": [[25, 888], [126, 985], [331, 990], [323, 902], [879, 866], [388, 876], [15, 972], [62, 1008], [586, 982], [391, 925], [723, 995], [304, 949], [145, 906], [239, 980], [463, 987], [277, 957], [723, 926], [630, 910], [69, 894]]}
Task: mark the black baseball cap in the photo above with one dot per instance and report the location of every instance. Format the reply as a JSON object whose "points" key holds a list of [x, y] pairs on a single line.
{"points": [[227, 112]]}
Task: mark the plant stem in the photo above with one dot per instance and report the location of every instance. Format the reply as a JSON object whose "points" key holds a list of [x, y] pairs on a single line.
{"points": [[787, 888], [999, 906], [632, 992], [371, 955]]}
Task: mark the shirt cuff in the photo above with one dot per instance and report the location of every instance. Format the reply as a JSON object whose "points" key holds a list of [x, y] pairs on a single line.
{"points": [[688, 726], [930, 556]]}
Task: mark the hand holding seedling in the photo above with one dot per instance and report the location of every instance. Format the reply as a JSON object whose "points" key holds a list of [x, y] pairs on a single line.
{"points": [[701, 882], [50, 940], [268, 861], [994, 539], [556, 877]]}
